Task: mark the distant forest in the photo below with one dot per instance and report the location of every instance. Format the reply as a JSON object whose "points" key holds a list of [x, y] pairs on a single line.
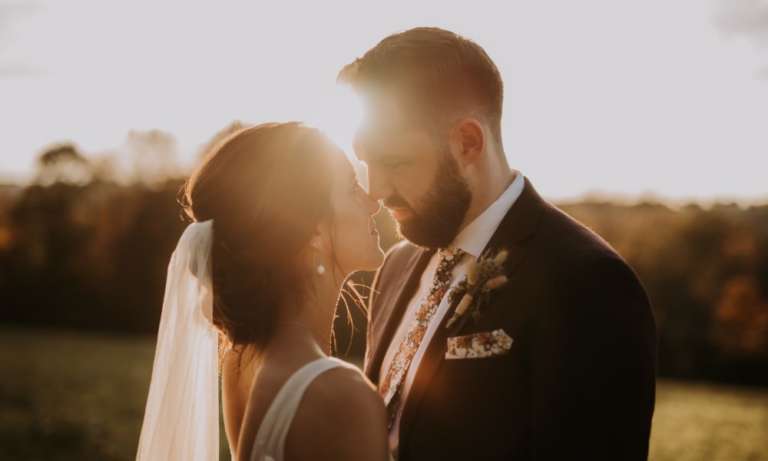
{"points": [[82, 247]]}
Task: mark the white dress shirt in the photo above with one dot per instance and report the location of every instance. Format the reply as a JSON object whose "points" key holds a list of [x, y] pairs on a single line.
{"points": [[472, 239]]}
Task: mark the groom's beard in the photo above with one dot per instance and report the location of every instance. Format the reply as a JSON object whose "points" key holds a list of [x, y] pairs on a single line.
{"points": [[436, 221]]}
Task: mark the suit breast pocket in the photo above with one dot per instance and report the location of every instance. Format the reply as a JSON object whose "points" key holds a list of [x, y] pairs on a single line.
{"points": [[481, 345]]}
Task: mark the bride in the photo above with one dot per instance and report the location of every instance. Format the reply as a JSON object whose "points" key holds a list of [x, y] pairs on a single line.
{"points": [[279, 222]]}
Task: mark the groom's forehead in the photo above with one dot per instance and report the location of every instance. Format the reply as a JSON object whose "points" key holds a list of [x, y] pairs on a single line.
{"points": [[385, 127], [373, 133], [381, 119]]}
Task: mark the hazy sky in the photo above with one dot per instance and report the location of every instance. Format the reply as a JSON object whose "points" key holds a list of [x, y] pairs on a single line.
{"points": [[652, 96]]}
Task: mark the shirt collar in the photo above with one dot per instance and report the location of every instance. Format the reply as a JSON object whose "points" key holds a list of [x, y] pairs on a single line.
{"points": [[473, 238]]}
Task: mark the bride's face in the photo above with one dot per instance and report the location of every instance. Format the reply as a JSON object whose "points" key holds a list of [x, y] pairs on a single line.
{"points": [[355, 239]]}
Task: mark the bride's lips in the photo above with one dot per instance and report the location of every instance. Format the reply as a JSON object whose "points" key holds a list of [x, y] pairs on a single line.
{"points": [[372, 228]]}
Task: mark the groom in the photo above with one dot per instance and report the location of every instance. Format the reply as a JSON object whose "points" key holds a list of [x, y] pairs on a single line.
{"points": [[555, 359]]}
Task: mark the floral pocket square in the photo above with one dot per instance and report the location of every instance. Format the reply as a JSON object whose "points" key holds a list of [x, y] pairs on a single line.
{"points": [[479, 345]]}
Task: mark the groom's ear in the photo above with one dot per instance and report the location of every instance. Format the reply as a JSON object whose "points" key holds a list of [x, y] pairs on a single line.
{"points": [[467, 140]]}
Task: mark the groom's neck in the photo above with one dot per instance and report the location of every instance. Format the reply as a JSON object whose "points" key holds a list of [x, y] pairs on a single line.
{"points": [[487, 181]]}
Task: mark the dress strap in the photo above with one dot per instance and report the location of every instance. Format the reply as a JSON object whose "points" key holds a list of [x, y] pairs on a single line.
{"points": [[270, 439]]}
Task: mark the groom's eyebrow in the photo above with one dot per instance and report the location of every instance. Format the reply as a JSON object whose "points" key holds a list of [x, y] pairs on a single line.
{"points": [[370, 155], [371, 151]]}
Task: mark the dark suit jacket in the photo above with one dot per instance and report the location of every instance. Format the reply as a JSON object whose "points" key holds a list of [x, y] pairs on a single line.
{"points": [[579, 380]]}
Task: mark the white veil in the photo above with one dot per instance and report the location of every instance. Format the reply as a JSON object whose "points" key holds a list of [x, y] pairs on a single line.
{"points": [[181, 420]]}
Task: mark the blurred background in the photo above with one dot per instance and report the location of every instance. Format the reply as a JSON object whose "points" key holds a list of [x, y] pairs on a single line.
{"points": [[646, 121]]}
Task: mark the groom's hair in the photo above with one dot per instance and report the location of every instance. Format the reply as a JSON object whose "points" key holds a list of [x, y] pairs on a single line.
{"points": [[434, 72]]}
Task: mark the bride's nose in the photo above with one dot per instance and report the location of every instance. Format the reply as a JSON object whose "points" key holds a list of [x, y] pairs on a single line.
{"points": [[372, 205]]}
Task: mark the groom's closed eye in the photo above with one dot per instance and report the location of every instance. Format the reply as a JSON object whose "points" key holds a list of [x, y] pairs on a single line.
{"points": [[391, 161], [394, 163], [374, 155]]}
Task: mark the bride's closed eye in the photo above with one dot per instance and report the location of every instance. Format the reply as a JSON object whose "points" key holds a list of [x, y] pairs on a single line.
{"points": [[360, 194]]}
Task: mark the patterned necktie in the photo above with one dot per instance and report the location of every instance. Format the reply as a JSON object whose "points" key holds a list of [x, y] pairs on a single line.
{"points": [[392, 383]]}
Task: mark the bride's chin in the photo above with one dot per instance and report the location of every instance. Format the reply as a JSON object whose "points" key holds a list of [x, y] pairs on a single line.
{"points": [[376, 260], [372, 261], [367, 259]]}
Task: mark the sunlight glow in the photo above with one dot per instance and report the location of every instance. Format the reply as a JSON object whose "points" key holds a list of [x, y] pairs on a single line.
{"points": [[593, 102], [339, 116]]}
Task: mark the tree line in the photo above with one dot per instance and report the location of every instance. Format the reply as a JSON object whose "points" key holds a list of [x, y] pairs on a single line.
{"points": [[82, 248]]}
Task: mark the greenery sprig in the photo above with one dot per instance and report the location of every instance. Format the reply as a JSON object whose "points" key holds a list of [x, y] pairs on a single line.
{"points": [[483, 276]]}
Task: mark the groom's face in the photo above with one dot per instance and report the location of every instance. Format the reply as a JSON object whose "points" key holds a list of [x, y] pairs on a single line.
{"points": [[412, 172]]}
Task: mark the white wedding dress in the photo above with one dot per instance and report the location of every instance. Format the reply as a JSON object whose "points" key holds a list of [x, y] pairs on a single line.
{"points": [[270, 439]]}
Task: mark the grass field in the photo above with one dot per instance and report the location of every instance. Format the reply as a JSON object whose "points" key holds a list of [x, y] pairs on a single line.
{"points": [[68, 396]]}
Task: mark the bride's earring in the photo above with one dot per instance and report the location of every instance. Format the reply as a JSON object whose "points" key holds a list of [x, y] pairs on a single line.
{"points": [[319, 268]]}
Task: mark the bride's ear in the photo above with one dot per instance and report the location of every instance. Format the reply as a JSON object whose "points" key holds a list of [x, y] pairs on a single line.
{"points": [[320, 240], [319, 249], [316, 242]]}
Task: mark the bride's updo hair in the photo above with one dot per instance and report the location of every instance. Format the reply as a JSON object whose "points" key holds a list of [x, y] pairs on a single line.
{"points": [[266, 188]]}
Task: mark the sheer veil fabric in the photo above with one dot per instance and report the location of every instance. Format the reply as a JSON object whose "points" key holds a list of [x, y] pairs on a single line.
{"points": [[181, 419]]}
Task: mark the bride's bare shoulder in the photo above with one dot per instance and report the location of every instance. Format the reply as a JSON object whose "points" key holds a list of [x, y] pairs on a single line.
{"points": [[340, 417], [344, 385]]}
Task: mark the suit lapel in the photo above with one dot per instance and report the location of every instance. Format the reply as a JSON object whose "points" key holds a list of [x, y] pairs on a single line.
{"points": [[405, 286], [519, 223]]}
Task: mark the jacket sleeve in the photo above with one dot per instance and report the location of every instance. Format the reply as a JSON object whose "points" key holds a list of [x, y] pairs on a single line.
{"points": [[594, 366]]}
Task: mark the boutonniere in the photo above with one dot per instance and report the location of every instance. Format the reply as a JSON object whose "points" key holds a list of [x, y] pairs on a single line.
{"points": [[483, 276]]}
